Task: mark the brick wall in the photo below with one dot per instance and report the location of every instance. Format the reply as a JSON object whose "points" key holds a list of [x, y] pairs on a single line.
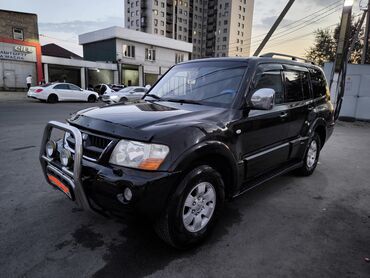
{"points": [[25, 21]]}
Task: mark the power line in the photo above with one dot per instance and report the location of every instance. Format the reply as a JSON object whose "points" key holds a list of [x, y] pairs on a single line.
{"points": [[287, 40], [68, 41], [316, 12], [295, 29], [327, 13]]}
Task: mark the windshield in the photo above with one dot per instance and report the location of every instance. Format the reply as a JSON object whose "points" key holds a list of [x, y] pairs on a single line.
{"points": [[212, 83]]}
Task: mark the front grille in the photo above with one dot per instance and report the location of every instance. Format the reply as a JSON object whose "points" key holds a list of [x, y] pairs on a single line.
{"points": [[93, 145]]}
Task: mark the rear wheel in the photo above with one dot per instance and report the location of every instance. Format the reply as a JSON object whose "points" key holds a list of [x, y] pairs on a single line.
{"points": [[123, 100], [91, 98], [311, 156], [193, 209], [52, 98]]}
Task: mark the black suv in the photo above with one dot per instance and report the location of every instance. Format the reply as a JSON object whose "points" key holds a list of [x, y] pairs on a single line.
{"points": [[208, 131]]}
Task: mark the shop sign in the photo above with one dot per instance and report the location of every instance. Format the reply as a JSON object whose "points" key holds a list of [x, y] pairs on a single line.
{"points": [[16, 52]]}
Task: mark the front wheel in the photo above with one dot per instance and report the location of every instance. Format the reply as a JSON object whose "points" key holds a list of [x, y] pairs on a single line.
{"points": [[91, 98], [193, 209], [311, 156]]}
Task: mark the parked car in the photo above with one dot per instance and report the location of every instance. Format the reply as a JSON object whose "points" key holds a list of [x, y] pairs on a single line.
{"points": [[208, 131], [102, 89], [131, 93], [117, 87], [54, 92]]}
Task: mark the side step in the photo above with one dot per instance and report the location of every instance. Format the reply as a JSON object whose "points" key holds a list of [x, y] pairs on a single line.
{"points": [[273, 174]]}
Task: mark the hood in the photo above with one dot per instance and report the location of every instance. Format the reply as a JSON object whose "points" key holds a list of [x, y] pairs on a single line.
{"points": [[145, 116]]}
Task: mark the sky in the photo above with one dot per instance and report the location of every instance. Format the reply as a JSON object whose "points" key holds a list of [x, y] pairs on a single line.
{"points": [[61, 22]]}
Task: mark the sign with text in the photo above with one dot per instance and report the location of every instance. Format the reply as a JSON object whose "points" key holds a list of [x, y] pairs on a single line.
{"points": [[16, 52]]}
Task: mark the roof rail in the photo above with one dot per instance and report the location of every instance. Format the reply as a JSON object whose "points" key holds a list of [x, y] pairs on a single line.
{"points": [[294, 58]]}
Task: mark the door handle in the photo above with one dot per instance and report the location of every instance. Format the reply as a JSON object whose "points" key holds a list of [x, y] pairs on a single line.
{"points": [[283, 114]]}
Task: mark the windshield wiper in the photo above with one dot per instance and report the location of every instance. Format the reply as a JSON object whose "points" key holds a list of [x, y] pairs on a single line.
{"points": [[181, 100]]}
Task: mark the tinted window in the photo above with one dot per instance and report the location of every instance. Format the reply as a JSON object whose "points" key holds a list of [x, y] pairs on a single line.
{"points": [[296, 86], [319, 85], [271, 80], [305, 85], [62, 87], [140, 90], [74, 87]]}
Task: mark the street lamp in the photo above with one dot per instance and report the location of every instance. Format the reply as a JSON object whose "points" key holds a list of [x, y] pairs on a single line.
{"points": [[348, 3]]}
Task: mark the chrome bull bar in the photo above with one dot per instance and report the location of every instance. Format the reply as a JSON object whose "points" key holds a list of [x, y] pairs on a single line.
{"points": [[74, 177]]}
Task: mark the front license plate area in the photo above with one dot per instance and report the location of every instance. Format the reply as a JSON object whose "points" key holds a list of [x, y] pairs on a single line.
{"points": [[62, 185]]}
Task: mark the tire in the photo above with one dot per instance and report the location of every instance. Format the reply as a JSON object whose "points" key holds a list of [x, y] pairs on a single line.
{"points": [[53, 98], [311, 156], [123, 100], [91, 98], [183, 204]]}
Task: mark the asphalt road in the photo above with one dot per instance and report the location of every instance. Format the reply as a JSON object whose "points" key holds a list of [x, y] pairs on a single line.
{"points": [[291, 227]]}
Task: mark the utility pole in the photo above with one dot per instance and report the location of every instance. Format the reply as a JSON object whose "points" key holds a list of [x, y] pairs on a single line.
{"points": [[338, 77], [366, 40], [273, 28]]}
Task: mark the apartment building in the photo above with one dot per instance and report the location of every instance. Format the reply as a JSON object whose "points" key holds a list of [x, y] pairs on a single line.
{"points": [[216, 28]]}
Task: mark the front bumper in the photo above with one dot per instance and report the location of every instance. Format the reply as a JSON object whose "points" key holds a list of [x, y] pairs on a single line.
{"points": [[99, 188]]}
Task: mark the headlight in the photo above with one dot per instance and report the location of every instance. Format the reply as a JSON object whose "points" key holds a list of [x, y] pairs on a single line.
{"points": [[50, 148], [138, 155], [65, 157]]}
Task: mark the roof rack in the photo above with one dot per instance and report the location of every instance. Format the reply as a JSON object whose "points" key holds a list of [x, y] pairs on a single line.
{"points": [[294, 58]]}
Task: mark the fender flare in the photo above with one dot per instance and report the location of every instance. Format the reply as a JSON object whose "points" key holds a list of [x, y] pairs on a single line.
{"points": [[209, 148]]}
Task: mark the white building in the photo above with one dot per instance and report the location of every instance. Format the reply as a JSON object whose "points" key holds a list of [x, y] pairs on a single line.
{"points": [[216, 28], [141, 57]]}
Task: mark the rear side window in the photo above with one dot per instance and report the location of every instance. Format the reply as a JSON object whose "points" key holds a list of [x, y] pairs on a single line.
{"points": [[140, 90], [296, 86], [271, 80], [62, 87], [74, 87], [319, 84]]}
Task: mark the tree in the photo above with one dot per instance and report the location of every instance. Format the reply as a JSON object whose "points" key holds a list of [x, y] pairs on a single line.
{"points": [[325, 45], [323, 49]]}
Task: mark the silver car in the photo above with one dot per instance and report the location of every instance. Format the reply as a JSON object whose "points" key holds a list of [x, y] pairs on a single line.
{"points": [[128, 94]]}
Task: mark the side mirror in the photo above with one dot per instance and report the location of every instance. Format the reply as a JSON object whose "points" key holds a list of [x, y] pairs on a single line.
{"points": [[147, 87], [263, 99]]}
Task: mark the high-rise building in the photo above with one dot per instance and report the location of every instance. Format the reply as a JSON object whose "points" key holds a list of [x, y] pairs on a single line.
{"points": [[216, 28]]}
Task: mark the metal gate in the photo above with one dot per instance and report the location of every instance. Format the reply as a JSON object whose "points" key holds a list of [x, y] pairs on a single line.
{"points": [[9, 79], [356, 101]]}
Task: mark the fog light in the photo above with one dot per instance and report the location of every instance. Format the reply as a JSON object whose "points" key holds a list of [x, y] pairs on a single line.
{"points": [[65, 157], [127, 194], [50, 148]]}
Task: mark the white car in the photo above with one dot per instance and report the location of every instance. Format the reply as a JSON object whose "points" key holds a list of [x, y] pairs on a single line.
{"points": [[54, 92], [127, 94]]}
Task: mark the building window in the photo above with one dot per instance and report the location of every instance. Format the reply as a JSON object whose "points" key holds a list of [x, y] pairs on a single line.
{"points": [[128, 51], [155, 31], [179, 57], [18, 34], [155, 22], [149, 54], [162, 32]]}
